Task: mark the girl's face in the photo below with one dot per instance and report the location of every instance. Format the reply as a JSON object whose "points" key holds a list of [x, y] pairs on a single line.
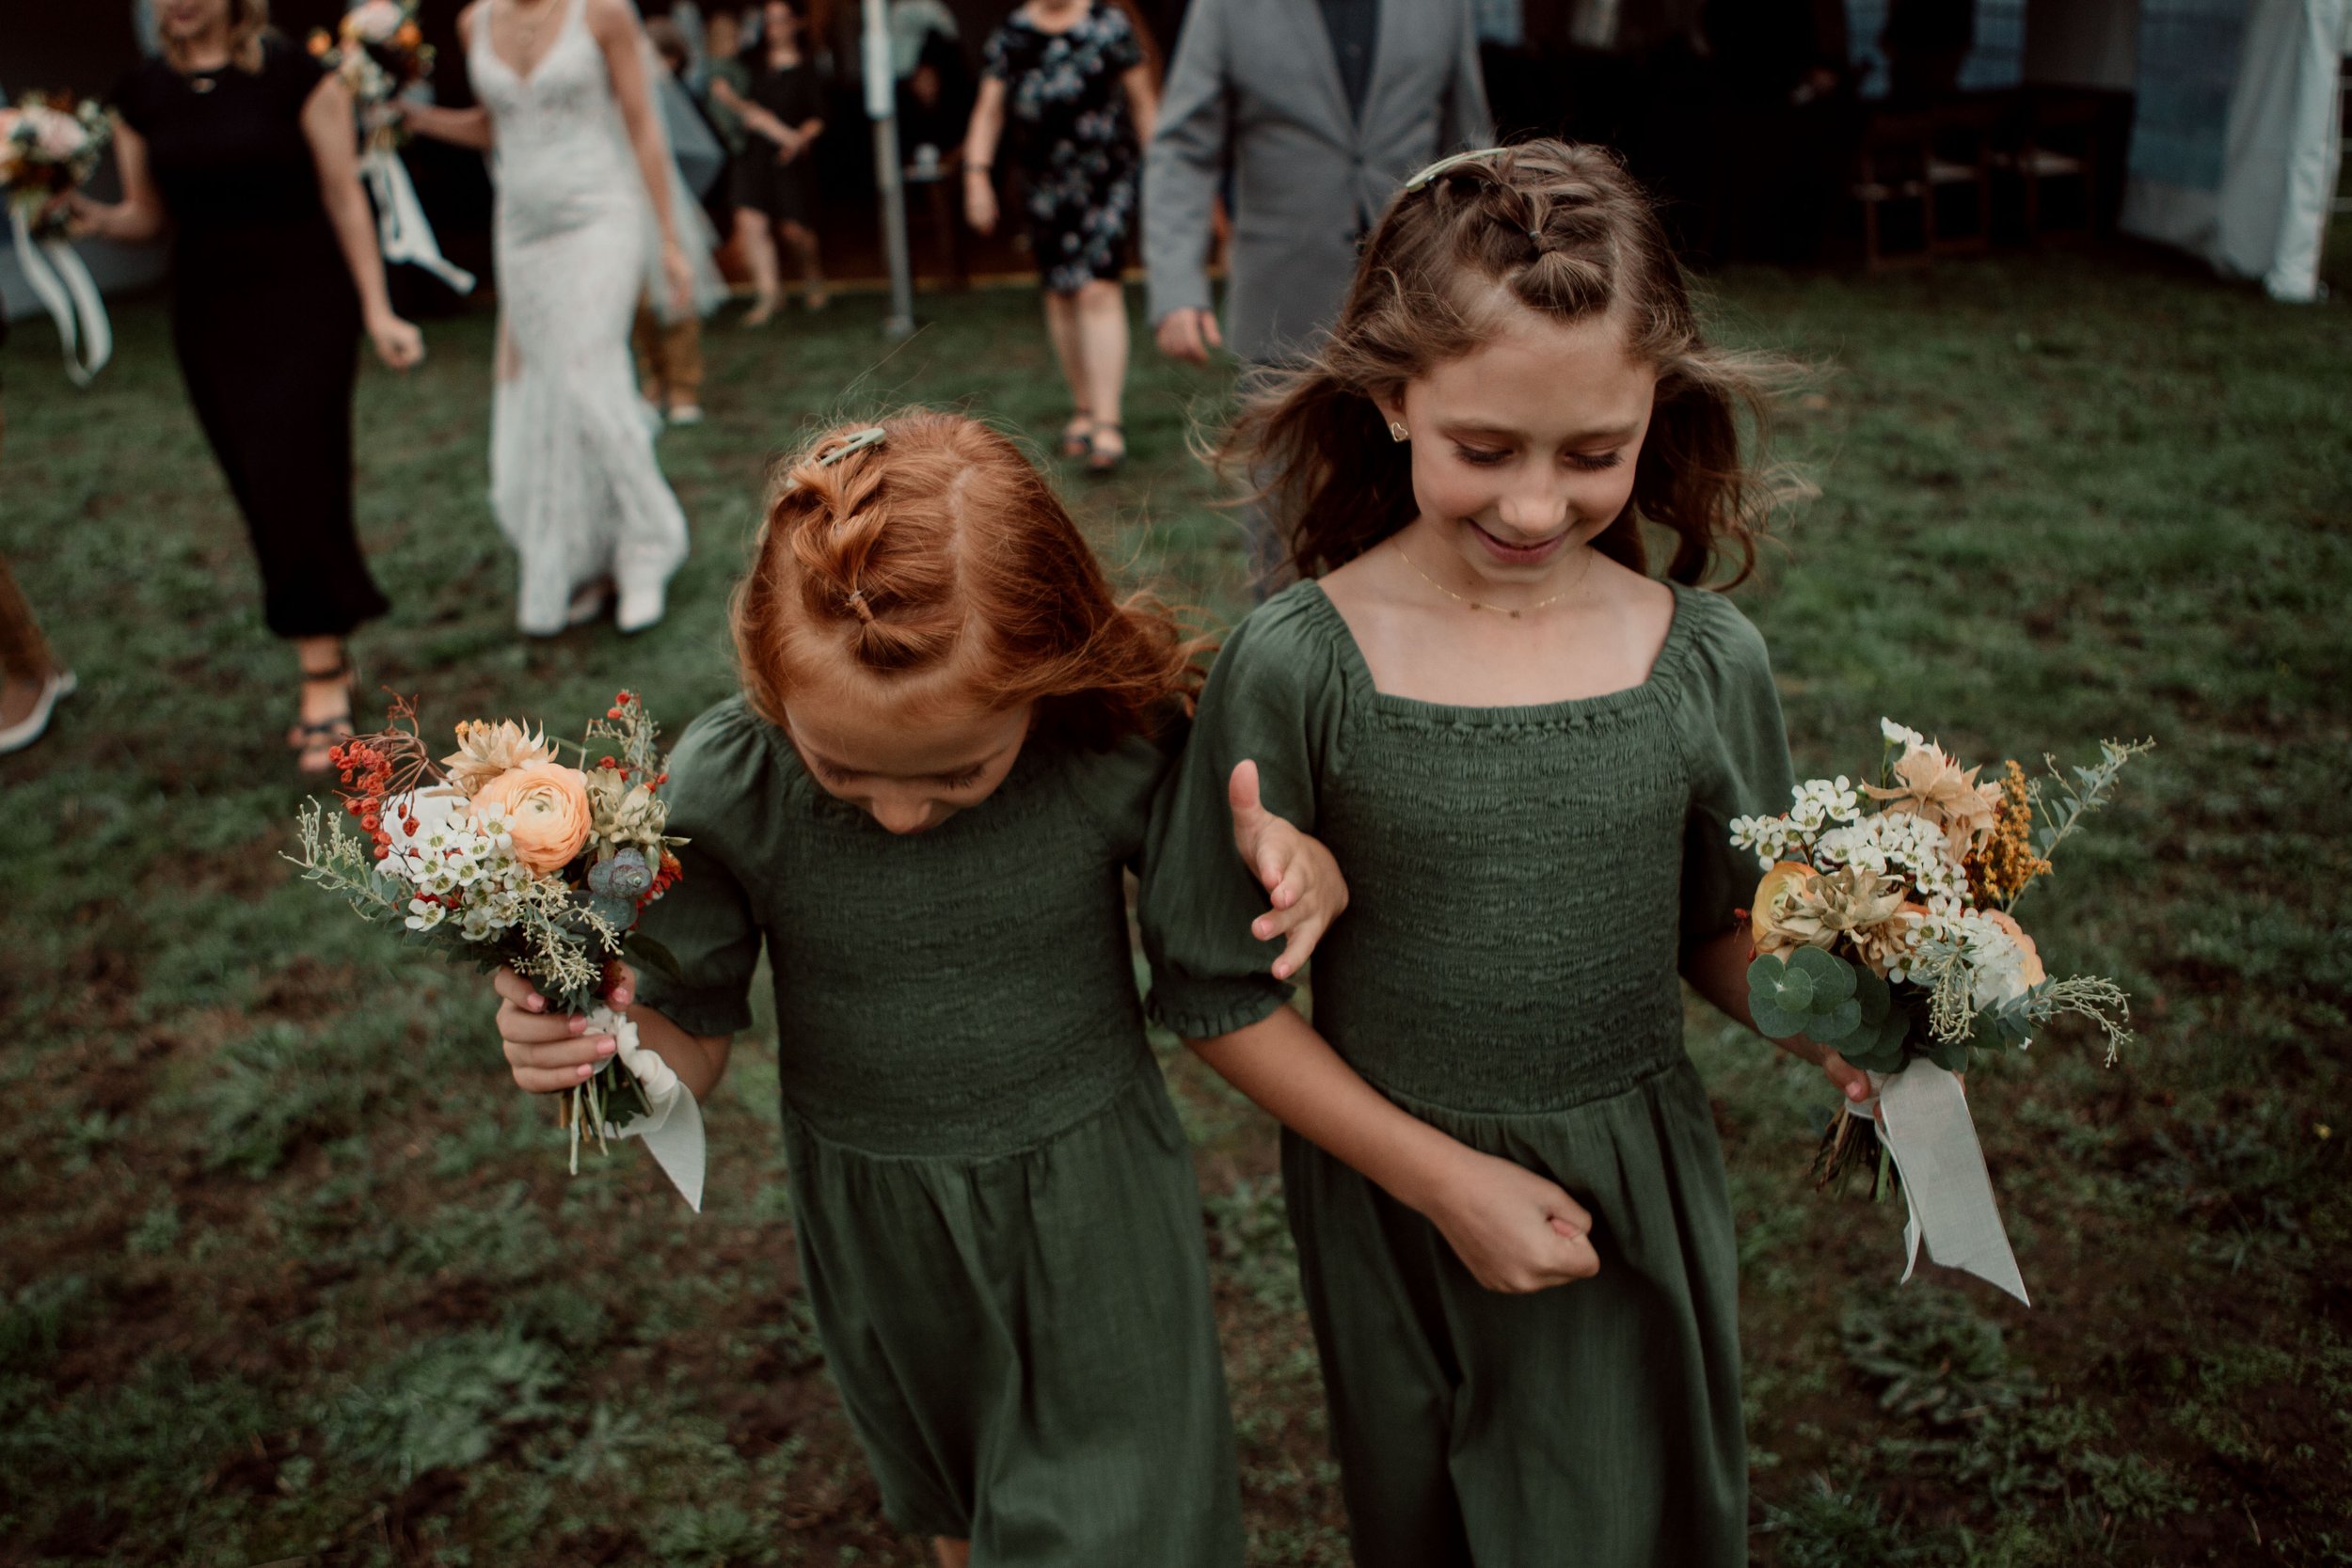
{"points": [[1523, 449], [780, 21], [907, 767]]}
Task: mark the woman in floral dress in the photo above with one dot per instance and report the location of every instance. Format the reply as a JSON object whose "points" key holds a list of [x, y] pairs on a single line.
{"points": [[1075, 81]]}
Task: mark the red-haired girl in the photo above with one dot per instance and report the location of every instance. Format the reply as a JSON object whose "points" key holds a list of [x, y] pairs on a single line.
{"points": [[1524, 749], [943, 758]]}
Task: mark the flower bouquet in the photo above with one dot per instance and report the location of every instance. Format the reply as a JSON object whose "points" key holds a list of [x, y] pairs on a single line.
{"points": [[378, 49], [50, 145], [502, 855], [1887, 936]]}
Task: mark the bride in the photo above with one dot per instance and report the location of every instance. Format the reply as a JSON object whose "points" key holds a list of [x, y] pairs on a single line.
{"points": [[583, 178]]}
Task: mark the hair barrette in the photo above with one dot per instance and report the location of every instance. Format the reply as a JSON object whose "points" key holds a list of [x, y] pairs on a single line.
{"points": [[1448, 164], [872, 435]]}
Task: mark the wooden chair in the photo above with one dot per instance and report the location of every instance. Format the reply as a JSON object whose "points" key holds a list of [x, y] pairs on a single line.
{"points": [[1920, 161], [2054, 136]]}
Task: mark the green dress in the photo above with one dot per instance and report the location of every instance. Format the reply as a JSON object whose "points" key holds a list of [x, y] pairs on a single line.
{"points": [[1523, 881], [998, 1223]]}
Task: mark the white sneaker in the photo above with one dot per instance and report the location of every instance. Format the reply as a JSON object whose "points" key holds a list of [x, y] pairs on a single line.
{"points": [[685, 413], [640, 608], [28, 729]]}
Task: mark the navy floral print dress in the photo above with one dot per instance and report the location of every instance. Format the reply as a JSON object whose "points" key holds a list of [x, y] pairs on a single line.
{"points": [[1066, 114]]}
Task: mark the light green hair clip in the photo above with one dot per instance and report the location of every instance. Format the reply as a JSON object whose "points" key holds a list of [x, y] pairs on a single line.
{"points": [[1448, 164], [872, 435]]}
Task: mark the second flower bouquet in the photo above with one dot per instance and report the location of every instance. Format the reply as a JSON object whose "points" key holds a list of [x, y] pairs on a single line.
{"points": [[501, 854]]}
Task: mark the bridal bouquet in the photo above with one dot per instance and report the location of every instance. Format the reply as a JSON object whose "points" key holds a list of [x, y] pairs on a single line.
{"points": [[50, 145], [1884, 932], [504, 855], [378, 49]]}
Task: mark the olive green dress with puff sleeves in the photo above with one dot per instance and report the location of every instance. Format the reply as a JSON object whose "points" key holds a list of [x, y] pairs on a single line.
{"points": [[998, 1223], [1524, 881]]}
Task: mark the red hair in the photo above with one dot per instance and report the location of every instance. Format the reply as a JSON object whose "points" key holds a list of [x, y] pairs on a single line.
{"points": [[939, 553]]}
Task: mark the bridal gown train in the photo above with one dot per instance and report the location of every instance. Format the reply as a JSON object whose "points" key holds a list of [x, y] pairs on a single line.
{"points": [[573, 479]]}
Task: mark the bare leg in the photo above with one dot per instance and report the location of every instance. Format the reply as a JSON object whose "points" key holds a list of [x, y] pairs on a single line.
{"points": [[1101, 311], [1061, 325], [952, 1553], [759, 252], [802, 240], [326, 710]]}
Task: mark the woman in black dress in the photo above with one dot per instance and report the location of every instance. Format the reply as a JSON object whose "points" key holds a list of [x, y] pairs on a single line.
{"points": [[248, 147], [1074, 80], [778, 91]]}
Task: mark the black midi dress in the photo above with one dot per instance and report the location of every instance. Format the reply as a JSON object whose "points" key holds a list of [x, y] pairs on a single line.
{"points": [[266, 319]]}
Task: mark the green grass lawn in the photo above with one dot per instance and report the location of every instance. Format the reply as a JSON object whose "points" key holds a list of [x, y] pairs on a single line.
{"points": [[292, 1273]]}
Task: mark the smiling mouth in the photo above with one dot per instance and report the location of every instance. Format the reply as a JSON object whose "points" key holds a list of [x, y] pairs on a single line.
{"points": [[1518, 555]]}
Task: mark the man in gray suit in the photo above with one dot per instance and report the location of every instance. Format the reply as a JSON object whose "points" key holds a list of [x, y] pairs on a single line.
{"points": [[1323, 108]]}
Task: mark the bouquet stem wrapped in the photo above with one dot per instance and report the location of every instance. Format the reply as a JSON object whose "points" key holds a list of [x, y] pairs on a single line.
{"points": [[1886, 935]]}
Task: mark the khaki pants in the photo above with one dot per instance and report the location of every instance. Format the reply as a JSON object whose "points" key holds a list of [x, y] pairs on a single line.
{"points": [[669, 358]]}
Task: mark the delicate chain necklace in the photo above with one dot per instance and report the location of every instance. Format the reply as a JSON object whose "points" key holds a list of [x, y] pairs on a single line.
{"points": [[530, 18], [1499, 609]]}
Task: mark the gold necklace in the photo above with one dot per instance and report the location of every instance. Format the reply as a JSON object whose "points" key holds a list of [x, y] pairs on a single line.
{"points": [[1499, 609], [531, 19]]}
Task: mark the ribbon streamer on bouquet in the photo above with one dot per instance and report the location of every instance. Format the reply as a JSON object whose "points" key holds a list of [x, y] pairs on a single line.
{"points": [[673, 1130], [400, 228], [63, 287], [1923, 1121]]}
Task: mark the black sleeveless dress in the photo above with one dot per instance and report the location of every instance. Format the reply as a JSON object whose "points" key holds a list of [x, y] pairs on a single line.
{"points": [[266, 319]]}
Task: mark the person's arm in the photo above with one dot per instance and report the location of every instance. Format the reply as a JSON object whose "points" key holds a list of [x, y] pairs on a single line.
{"points": [[548, 1053], [470, 126], [614, 27], [1182, 161], [139, 216], [1718, 971], [1143, 101], [326, 126], [1514, 1230], [980, 140]]}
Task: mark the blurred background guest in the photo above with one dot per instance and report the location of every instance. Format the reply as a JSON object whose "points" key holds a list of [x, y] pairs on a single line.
{"points": [[913, 24], [32, 681], [245, 148], [1323, 108], [670, 341], [1074, 81], [581, 162], [1926, 43], [781, 106]]}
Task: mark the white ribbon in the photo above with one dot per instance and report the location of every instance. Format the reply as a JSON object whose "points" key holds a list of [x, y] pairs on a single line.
{"points": [[673, 1130], [64, 286], [1923, 1121], [401, 229]]}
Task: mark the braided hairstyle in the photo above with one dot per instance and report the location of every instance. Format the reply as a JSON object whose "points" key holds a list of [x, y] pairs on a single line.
{"points": [[1550, 226], [935, 557]]}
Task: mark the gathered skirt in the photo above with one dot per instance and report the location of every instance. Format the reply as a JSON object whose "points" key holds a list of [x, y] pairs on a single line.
{"points": [[1025, 1343], [1597, 1423]]}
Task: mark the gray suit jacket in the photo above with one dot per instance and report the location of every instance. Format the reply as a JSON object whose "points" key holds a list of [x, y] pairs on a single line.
{"points": [[1258, 78]]}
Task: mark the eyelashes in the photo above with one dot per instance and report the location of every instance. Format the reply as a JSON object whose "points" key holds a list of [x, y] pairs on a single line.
{"points": [[958, 781], [1478, 457], [964, 780]]}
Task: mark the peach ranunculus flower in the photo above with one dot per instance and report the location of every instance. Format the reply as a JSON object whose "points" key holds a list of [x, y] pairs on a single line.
{"points": [[547, 809], [1931, 785], [2033, 972]]}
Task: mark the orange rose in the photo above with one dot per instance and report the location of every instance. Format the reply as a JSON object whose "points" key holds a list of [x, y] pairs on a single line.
{"points": [[408, 37], [2034, 973], [546, 807], [1771, 898]]}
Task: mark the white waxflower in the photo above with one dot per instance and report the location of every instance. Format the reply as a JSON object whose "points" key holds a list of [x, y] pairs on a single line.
{"points": [[423, 914], [1901, 735]]}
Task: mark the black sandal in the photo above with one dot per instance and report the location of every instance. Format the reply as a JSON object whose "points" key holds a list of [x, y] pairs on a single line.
{"points": [[1076, 442], [1101, 461], [315, 737]]}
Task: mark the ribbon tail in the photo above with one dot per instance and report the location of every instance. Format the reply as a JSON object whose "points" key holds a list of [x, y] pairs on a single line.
{"points": [[34, 261], [671, 1127], [1924, 1121], [98, 334], [402, 229]]}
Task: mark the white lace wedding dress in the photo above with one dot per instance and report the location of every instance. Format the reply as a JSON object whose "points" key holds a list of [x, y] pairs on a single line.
{"points": [[573, 479]]}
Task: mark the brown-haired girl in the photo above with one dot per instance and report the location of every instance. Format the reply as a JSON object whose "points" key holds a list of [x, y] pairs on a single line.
{"points": [[943, 760], [1525, 750]]}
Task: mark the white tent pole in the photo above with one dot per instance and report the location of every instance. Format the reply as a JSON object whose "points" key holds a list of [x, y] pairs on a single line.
{"points": [[881, 106]]}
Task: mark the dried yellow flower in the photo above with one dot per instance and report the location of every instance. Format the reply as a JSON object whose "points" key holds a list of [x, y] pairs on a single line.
{"points": [[486, 750], [1999, 869]]}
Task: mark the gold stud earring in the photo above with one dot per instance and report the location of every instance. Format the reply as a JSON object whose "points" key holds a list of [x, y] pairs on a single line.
{"points": [[1397, 431]]}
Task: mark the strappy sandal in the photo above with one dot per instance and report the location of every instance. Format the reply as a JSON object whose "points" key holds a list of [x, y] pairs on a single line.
{"points": [[1101, 461], [310, 739], [1076, 442]]}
